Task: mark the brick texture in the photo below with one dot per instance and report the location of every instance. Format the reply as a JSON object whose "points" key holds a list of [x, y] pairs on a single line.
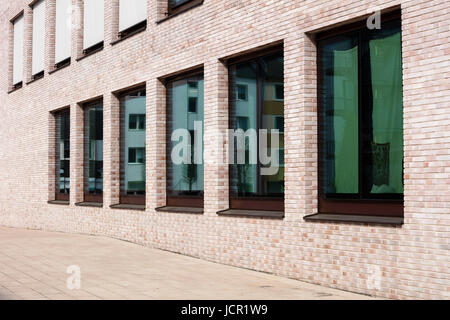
{"points": [[412, 261]]}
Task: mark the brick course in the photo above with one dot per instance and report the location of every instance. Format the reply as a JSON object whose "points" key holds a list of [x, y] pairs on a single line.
{"points": [[413, 260]]}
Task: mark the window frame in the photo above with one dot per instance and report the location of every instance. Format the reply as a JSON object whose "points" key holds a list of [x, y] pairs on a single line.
{"points": [[338, 204], [185, 5], [237, 202], [88, 196], [189, 201], [128, 199], [59, 196]]}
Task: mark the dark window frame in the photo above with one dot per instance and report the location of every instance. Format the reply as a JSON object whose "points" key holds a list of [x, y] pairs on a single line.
{"points": [[392, 205], [88, 196], [128, 199], [235, 201], [191, 201], [185, 5], [131, 31], [59, 196]]}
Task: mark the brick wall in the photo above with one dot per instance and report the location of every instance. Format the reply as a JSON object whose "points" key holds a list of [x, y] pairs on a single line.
{"points": [[412, 260]]}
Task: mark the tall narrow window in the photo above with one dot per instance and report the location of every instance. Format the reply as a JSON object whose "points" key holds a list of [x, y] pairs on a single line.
{"points": [[132, 147], [18, 52], [132, 15], [63, 38], [62, 158], [93, 33], [38, 39], [185, 114], [361, 121], [93, 152], [257, 105]]}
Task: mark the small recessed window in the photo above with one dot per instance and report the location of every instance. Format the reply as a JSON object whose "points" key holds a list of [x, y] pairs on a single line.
{"points": [[136, 155], [136, 122], [242, 92]]}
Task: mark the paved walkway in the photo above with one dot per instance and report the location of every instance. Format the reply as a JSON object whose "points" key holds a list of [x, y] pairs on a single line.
{"points": [[33, 265]]}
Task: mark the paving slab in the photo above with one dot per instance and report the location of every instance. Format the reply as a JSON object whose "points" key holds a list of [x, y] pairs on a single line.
{"points": [[34, 265]]}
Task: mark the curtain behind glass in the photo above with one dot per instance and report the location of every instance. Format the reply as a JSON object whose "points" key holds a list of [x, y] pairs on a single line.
{"points": [[387, 117], [340, 99]]}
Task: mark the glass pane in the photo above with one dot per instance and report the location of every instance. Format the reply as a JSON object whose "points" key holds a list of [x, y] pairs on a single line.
{"points": [[62, 152], [339, 95], [244, 179], [132, 180], [272, 115], [94, 149], [386, 143], [185, 110], [258, 105]]}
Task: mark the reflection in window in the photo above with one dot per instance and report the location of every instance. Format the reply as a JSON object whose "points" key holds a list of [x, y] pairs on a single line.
{"points": [[257, 106], [93, 142], [132, 147], [184, 107], [136, 122], [362, 115], [62, 155], [136, 156]]}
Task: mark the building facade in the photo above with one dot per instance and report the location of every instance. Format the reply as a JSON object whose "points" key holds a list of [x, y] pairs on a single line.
{"points": [[91, 91]]}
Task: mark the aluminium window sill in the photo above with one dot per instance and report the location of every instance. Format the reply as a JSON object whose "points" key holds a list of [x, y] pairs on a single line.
{"points": [[252, 213], [89, 204], [353, 218], [131, 32], [59, 202], [59, 68], [170, 16], [173, 209], [139, 207], [96, 49]]}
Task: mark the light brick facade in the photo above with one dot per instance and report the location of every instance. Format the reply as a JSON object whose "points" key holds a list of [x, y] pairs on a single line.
{"points": [[412, 260]]}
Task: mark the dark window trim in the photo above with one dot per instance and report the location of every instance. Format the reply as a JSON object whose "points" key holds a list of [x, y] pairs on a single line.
{"points": [[36, 77], [17, 86], [354, 26], [58, 195], [91, 50], [173, 11], [393, 205], [171, 200], [254, 54], [90, 197], [269, 203], [252, 213], [131, 31], [61, 65], [128, 199]]}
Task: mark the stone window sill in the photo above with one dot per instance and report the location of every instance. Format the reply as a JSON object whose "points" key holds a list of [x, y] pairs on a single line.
{"points": [[180, 210], [89, 204], [59, 202], [252, 213], [326, 217], [139, 207]]}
